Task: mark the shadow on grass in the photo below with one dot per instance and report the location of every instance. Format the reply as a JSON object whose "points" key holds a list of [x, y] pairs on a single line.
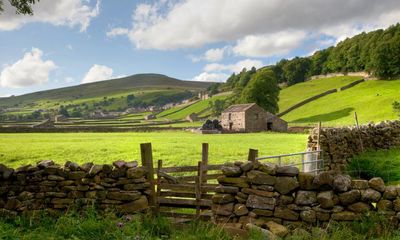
{"points": [[327, 116]]}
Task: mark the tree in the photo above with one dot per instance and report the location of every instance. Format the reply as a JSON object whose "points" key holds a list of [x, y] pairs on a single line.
{"points": [[217, 107], [21, 6], [63, 111], [296, 70], [263, 90], [213, 88]]}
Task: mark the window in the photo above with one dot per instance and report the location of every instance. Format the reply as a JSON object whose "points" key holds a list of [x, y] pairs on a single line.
{"points": [[256, 116], [230, 116]]}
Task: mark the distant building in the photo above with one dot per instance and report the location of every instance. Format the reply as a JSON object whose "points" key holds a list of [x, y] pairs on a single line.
{"points": [[250, 118], [203, 96]]}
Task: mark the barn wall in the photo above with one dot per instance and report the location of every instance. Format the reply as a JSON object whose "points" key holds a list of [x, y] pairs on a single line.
{"points": [[237, 119]]}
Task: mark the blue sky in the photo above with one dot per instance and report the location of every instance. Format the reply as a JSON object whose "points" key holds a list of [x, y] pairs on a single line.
{"points": [[77, 41]]}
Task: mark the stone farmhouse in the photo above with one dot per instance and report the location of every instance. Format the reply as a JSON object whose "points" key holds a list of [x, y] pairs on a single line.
{"points": [[250, 118]]}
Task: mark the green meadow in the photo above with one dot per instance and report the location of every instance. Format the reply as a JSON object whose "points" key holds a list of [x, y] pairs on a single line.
{"points": [[175, 148], [372, 100], [299, 92]]}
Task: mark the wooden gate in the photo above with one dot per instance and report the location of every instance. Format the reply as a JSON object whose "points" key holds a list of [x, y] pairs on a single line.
{"points": [[182, 192]]}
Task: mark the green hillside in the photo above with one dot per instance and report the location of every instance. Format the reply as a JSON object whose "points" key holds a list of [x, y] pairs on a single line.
{"points": [[180, 112], [106, 88], [301, 91], [110, 95], [372, 100]]}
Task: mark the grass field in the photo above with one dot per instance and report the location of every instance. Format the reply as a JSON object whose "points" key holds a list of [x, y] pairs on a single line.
{"points": [[182, 112], [372, 100], [175, 148], [301, 91]]}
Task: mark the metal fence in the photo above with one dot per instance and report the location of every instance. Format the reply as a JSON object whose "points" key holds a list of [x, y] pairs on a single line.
{"points": [[311, 161]]}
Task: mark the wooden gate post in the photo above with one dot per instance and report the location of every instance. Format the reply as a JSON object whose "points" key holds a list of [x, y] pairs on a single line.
{"points": [[147, 162], [198, 184], [204, 161], [253, 154]]}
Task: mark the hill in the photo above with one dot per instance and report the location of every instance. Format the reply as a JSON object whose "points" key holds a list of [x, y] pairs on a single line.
{"points": [[140, 91], [106, 88], [372, 100]]}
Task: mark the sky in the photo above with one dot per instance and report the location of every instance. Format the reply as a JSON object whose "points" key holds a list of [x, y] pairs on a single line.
{"points": [[69, 42]]}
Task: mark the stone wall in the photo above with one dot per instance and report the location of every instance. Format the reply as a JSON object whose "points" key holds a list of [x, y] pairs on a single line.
{"points": [[339, 145], [277, 199], [121, 186]]}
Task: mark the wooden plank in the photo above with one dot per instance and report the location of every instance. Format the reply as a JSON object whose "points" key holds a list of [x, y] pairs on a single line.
{"points": [[204, 161], [184, 194], [158, 184], [185, 202], [198, 183], [147, 161], [189, 168], [179, 187], [179, 169], [193, 178], [215, 167]]}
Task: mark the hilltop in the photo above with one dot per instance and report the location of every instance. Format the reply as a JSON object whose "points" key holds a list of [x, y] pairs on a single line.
{"points": [[139, 91], [106, 88]]}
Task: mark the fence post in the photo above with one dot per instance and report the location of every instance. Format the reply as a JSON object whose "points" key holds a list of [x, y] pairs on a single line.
{"points": [[204, 161], [159, 167], [198, 189], [253, 154], [359, 132], [147, 162]]}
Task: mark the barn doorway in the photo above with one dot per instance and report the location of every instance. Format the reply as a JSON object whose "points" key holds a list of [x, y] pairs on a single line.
{"points": [[269, 126], [230, 126]]}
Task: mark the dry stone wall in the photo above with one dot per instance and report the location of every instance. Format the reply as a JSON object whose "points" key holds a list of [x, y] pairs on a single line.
{"points": [[121, 186], [254, 195], [339, 145]]}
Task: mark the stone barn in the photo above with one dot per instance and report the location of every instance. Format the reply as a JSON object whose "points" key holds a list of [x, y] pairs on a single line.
{"points": [[250, 118]]}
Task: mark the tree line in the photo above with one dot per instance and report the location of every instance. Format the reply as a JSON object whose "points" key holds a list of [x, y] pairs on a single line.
{"points": [[376, 52]]}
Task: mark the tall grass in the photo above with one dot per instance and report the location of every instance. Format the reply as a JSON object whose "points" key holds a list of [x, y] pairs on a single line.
{"points": [[91, 225], [382, 163]]}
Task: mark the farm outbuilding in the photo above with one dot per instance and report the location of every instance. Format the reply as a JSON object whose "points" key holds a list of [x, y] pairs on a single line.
{"points": [[250, 118]]}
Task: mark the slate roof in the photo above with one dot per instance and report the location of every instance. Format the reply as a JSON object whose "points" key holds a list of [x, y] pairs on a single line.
{"points": [[239, 107]]}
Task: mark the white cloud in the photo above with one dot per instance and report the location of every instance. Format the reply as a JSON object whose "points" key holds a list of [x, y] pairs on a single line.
{"points": [[214, 54], [98, 73], [28, 71], [266, 45], [194, 23], [117, 32], [69, 47], [211, 77], [237, 67], [57, 12]]}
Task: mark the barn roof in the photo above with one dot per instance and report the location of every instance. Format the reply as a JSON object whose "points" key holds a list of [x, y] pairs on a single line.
{"points": [[239, 107]]}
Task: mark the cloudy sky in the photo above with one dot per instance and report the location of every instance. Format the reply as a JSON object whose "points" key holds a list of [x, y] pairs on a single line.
{"points": [[68, 42]]}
